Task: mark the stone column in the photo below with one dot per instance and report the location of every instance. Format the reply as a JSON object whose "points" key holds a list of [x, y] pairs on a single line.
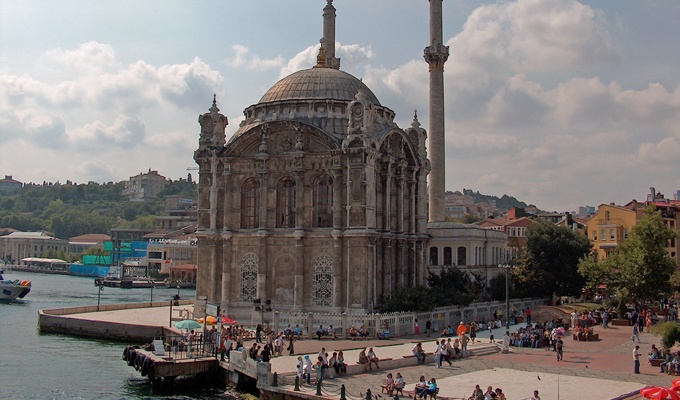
{"points": [[436, 55]]}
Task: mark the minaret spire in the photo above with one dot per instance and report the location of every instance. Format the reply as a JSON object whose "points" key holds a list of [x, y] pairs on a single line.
{"points": [[436, 55], [329, 35]]}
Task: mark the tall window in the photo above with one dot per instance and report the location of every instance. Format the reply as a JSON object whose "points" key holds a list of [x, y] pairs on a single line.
{"points": [[323, 201], [285, 203], [448, 256], [248, 290], [322, 287], [462, 256], [250, 200], [434, 256]]}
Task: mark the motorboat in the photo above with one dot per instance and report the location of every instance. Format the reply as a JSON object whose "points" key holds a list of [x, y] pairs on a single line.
{"points": [[11, 289]]}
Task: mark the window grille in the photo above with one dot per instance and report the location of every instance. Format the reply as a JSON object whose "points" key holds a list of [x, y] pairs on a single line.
{"points": [[249, 277], [323, 282]]}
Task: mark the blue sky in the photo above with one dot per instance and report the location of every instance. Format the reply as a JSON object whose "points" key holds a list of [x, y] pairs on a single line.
{"points": [[557, 102]]}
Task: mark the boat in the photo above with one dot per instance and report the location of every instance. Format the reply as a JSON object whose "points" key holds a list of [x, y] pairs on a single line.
{"points": [[10, 290]]}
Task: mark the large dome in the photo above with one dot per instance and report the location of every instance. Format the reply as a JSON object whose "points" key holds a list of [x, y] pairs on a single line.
{"points": [[319, 84]]}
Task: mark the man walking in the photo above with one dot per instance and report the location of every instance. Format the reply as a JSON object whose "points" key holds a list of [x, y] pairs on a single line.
{"points": [[559, 346], [636, 359], [635, 334]]}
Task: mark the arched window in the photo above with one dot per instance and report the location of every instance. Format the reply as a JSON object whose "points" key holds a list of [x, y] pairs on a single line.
{"points": [[434, 256], [285, 203], [462, 256], [323, 202], [322, 289], [248, 290], [448, 256], [250, 201]]}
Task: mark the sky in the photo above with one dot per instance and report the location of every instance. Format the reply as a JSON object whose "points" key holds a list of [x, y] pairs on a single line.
{"points": [[558, 103]]}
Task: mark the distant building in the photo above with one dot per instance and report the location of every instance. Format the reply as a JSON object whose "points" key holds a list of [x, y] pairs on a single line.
{"points": [[144, 187], [612, 224], [78, 244], [584, 211], [18, 245], [514, 225], [179, 212], [9, 184]]}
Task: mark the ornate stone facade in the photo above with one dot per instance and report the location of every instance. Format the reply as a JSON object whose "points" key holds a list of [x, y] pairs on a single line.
{"points": [[318, 201]]}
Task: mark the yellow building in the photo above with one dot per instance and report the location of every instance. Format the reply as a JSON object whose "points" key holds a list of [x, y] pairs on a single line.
{"points": [[612, 224]]}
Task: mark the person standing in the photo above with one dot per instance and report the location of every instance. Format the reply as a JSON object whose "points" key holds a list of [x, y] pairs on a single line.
{"points": [[605, 319], [635, 334], [416, 328], [528, 314], [560, 345], [636, 359]]}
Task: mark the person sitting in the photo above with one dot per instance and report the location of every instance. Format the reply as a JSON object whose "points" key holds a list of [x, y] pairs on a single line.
{"points": [[419, 353], [399, 383], [362, 332], [421, 385], [431, 388], [363, 360], [668, 359], [331, 332], [372, 358], [388, 387], [353, 332], [320, 332], [653, 354]]}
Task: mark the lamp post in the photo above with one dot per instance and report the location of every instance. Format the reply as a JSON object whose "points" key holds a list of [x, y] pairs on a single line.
{"points": [[507, 268], [175, 302], [152, 284], [100, 284]]}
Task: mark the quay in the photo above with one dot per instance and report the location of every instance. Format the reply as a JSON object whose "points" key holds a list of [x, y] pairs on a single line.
{"points": [[600, 369]]}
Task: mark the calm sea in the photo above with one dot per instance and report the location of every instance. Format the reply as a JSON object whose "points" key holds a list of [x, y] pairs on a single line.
{"points": [[48, 366]]}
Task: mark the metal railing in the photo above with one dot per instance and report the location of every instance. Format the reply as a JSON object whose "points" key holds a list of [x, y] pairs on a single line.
{"points": [[180, 347]]}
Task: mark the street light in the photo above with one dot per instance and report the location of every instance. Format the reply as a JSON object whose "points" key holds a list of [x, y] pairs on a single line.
{"points": [[175, 302], [152, 284], [507, 268], [100, 284]]}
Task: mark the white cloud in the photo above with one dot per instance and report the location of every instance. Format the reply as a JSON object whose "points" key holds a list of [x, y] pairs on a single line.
{"points": [[243, 58], [125, 130]]}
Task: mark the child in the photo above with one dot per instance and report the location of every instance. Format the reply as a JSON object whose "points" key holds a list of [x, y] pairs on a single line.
{"points": [[491, 339]]}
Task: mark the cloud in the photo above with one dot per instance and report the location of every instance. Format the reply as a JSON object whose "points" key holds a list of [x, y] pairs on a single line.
{"points": [[124, 131], [529, 36], [351, 57], [243, 58], [88, 58]]}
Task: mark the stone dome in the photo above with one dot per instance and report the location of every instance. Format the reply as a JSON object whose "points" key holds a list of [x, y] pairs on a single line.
{"points": [[317, 84]]}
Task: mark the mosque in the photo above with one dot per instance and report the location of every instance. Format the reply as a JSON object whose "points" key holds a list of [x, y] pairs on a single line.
{"points": [[319, 202]]}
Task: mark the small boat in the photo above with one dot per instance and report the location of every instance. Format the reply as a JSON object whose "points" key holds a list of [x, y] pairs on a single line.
{"points": [[10, 290]]}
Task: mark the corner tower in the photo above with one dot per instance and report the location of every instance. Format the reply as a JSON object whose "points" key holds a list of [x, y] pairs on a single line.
{"points": [[436, 55]]}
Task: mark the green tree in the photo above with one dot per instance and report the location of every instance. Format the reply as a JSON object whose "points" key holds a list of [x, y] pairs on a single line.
{"points": [[641, 264], [549, 264], [448, 288]]}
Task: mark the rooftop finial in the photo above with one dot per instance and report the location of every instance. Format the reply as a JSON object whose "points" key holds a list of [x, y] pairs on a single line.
{"points": [[214, 108], [321, 57], [415, 124]]}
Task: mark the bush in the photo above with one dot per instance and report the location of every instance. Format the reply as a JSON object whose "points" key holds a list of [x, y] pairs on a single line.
{"points": [[669, 332]]}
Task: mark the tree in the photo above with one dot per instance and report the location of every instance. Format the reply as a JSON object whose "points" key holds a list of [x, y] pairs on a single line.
{"points": [[641, 264], [549, 264], [448, 288]]}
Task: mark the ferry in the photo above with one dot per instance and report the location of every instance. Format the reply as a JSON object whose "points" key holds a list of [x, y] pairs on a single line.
{"points": [[10, 290]]}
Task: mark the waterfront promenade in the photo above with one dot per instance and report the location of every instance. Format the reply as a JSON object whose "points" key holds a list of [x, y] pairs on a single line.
{"points": [[590, 370]]}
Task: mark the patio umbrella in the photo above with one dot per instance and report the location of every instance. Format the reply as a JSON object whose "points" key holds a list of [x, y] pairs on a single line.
{"points": [[676, 382], [660, 393], [190, 324], [228, 321], [210, 320]]}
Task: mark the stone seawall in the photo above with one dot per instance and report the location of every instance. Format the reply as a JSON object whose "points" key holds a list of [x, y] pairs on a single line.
{"points": [[70, 321]]}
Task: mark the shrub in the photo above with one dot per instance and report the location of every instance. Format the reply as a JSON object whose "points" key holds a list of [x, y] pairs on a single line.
{"points": [[669, 332]]}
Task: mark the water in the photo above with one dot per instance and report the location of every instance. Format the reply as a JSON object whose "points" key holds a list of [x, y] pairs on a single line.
{"points": [[49, 366]]}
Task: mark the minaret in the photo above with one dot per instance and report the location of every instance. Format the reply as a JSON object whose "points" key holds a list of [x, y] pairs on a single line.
{"points": [[329, 35], [436, 55]]}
